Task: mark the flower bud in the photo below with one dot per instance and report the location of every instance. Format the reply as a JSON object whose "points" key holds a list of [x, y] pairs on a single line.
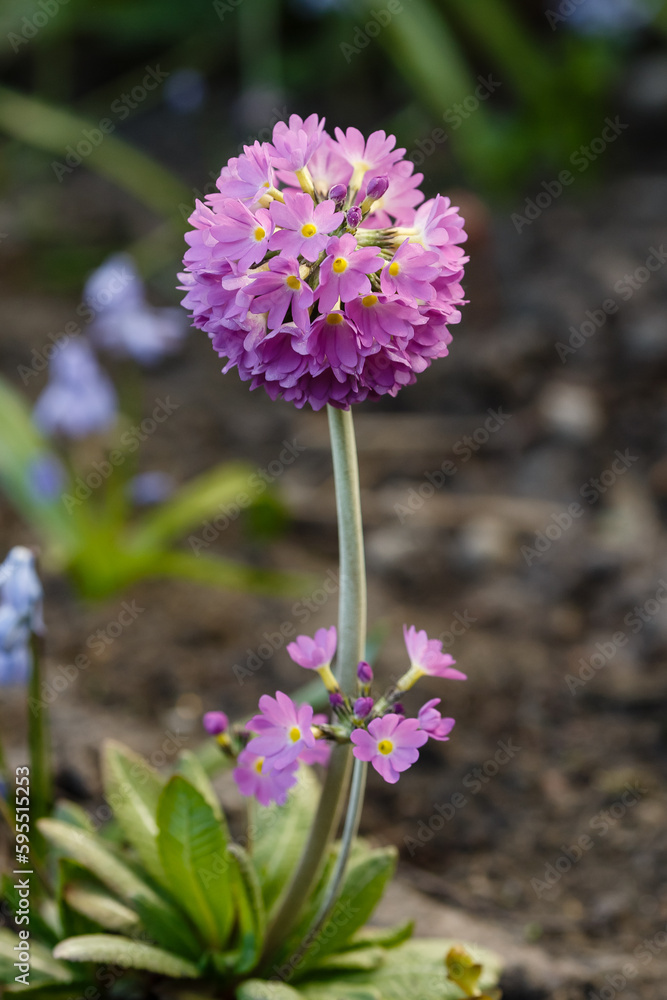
{"points": [[377, 186], [365, 672], [354, 217], [362, 707], [398, 709], [336, 699], [215, 723], [338, 194]]}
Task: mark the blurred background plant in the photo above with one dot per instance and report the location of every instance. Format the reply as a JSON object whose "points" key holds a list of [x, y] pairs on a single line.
{"points": [[70, 466]]}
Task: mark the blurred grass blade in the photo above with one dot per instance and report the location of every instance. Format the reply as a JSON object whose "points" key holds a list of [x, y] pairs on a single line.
{"points": [[41, 774], [52, 129], [199, 499], [429, 56], [233, 576]]}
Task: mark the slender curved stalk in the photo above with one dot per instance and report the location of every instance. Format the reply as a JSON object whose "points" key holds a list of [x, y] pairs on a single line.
{"points": [[351, 643]]}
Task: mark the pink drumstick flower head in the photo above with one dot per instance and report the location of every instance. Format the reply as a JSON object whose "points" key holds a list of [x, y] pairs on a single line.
{"points": [[317, 269]]}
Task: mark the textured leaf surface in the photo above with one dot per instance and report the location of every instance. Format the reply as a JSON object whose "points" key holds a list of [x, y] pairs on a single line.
{"points": [[101, 908], [132, 787], [43, 966], [415, 969], [162, 921], [126, 953], [194, 855], [262, 989], [387, 937], [192, 769]]}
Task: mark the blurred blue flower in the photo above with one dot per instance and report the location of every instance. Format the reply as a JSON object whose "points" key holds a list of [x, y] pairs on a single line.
{"points": [[80, 398], [20, 614], [185, 90], [46, 477], [124, 323], [151, 487], [610, 17]]}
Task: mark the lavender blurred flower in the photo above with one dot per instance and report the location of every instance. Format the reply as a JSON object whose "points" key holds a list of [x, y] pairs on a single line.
{"points": [[125, 324], [79, 399], [151, 487], [20, 614], [46, 477]]}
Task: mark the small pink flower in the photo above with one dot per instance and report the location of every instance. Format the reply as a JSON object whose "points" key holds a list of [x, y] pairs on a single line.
{"points": [[427, 657], [314, 653], [253, 778], [437, 223], [390, 744], [279, 288], [383, 319], [344, 271], [284, 731], [247, 176], [244, 237], [432, 722], [375, 155], [294, 144], [411, 272], [305, 227], [333, 342]]}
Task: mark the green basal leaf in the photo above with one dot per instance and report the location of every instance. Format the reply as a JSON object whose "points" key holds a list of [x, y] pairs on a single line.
{"points": [[337, 989], [192, 769], [132, 788], [70, 812], [162, 921], [128, 954], [263, 989], [195, 502], [90, 852], [251, 912], [414, 969], [364, 959], [43, 966], [278, 835], [50, 991], [386, 937], [194, 855], [44, 922], [101, 908], [366, 878]]}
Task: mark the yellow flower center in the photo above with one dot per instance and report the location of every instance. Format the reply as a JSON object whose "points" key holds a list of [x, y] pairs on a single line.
{"points": [[293, 282], [369, 300], [295, 734], [385, 747], [333, 319], [339, 265], [260, 233], [258, 765], [394, 268], [308, 230]]}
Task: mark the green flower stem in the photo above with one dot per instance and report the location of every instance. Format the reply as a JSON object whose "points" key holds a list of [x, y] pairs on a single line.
{"points": [[351, 644], [335, 885], [41, 775]]}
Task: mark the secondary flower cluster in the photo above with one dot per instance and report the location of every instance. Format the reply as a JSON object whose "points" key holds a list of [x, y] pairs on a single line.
{"points": [[20, 614], [80, 399], [314, 272], [271, 745]]}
